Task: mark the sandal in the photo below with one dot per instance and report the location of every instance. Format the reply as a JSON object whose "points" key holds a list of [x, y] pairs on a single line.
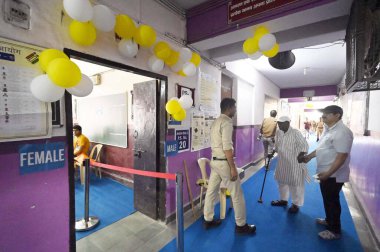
{"points": [[293, 209], [328, 235], [279, 203]]}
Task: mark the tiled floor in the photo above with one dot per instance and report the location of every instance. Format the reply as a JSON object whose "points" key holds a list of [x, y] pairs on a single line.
{"points": [[139, 233]]}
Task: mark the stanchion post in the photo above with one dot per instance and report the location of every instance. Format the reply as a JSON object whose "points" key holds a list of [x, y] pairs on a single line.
{"points": [[179, 202], [86, 164], [88, 222]]}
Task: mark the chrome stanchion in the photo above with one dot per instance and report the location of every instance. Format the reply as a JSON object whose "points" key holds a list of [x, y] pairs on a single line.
{"points": [[179, 202], [88, 222]]}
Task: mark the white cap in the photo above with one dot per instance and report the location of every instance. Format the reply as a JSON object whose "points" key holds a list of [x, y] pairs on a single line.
{"points": [[283, 119]]}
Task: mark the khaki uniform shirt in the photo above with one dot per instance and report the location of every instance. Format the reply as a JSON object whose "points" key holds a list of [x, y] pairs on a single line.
{"points": [[221, 136], [268, 127]]}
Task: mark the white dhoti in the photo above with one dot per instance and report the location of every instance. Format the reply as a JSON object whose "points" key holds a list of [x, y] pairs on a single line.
{"points": [[297, 193], [220, 177]]}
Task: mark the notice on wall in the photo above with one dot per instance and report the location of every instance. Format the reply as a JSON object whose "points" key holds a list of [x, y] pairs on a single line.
{"points": [[209, 93], [183, 139], [22, 116], [41, 157], [200, 130]]}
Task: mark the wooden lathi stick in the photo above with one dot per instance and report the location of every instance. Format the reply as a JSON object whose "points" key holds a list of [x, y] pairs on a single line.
{"points": [[188, 187]]}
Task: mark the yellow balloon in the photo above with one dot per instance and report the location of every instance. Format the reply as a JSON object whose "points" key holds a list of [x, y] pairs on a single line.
{"points": [[180, 115], [145, 36], [48, 55], [181, 73], [124, 26], [260, 31], [173, 107], [82, 33], [162, 50], [195, 59], [251, 45], [273, 51], [172, 59], [64, 73]]}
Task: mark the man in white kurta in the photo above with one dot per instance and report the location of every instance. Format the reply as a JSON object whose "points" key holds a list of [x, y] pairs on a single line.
{"points": [[290, 174]]}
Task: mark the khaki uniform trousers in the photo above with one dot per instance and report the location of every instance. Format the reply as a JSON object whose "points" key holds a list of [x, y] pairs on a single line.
{"points": [[220, 177]]}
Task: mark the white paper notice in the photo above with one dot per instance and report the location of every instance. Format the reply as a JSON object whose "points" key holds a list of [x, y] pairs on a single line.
{"points": [[22, 116], [209, 93]]}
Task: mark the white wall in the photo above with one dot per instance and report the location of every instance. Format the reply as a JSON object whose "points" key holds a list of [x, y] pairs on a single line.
{"points": [[262, 86], [374, 104], [245, 103]]}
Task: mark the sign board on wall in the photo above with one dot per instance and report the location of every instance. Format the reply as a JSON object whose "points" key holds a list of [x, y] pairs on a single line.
{"points": [[183, 139], [171, 148], [41, 157], [241, 9]]}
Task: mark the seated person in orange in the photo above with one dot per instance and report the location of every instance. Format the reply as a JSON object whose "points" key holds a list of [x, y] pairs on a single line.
{"points": [[81, 145]]}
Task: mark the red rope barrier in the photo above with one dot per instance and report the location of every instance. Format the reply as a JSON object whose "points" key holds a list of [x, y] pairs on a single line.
{"points": [[134, 171]]}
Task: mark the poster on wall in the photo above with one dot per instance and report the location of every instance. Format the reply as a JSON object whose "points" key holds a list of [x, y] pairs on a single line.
{"points": [[22, 116], [209, 93], [200, 130]]}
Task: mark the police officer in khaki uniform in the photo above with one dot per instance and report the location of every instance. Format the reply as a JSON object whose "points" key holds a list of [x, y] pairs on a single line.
{"points": [[223, 171]]}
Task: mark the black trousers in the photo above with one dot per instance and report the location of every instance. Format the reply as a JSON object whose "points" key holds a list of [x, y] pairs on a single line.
{"points": [[330, 190]]}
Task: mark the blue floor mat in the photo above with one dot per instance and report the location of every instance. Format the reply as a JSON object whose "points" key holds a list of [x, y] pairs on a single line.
{"points": [[109, 200], [276, 229]]}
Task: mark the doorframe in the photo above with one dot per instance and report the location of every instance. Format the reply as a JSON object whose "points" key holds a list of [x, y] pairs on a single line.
{"points": [[161, 125]]}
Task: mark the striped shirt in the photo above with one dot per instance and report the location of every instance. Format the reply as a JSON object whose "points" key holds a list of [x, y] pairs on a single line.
{"points": [[288, 145]]}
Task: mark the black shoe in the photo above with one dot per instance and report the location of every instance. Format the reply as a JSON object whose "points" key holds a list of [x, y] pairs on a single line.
{"points": [[246, 229], [293, 209], [213, 223], [279, 203]]}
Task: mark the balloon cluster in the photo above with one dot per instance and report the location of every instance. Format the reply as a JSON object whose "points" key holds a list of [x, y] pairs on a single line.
{"points": [[262, 43], [177, 107], [87, 20], [183, 62], [60, 73]]}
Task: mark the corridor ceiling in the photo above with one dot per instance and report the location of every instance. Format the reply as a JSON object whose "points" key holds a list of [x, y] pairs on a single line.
{"points": [[321, 28]]}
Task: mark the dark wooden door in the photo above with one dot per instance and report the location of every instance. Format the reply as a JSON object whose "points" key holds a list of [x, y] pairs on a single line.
{"points": [[145, 146]]}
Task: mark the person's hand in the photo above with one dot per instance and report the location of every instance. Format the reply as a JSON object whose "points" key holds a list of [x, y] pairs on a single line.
{"points": [[306, 158], [323, 176], [234, 174], [301, 157]]}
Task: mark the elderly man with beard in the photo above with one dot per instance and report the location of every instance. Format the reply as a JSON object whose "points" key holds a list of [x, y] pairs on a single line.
{"points": [[290, 173]]}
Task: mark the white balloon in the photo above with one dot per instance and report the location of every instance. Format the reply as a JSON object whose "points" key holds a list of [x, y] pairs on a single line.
{"points": [[266, 42], [186, 101], [189, 69], [45, 90], [255, 55], [80, 10], [178, 66], [83, 88], [128, 48], [155, 64], [103, 18], [185, 54]]}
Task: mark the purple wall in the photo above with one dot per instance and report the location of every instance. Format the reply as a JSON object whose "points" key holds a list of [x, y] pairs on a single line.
{"points": [[319, 91], [211, 18], [34, 209], [247, 150], [365, 176]]}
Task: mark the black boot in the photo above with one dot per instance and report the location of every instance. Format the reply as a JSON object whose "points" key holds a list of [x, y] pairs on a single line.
{"points": [[246, 229]]}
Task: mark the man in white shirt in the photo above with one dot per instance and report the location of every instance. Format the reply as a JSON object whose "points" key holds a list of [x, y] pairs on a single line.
{"points": [[290, 174], [224, 172], [333, 157]]}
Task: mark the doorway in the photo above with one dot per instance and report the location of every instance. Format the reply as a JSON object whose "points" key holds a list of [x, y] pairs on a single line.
{"points": [[124, 136]]}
